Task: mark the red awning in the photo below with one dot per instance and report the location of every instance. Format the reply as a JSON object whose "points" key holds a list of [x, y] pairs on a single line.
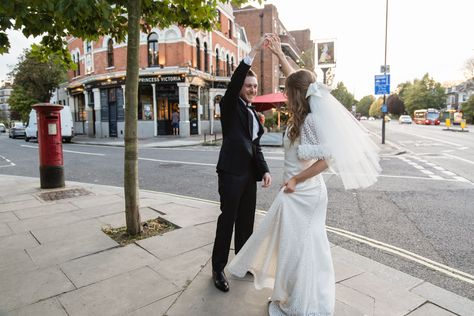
{"points": [[267, 101]]}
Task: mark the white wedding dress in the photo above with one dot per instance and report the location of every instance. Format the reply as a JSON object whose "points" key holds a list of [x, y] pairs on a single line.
{"points": [[289, 251]]}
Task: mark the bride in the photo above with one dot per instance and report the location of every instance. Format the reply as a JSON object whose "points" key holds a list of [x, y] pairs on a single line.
{"points": [[289, 251]]}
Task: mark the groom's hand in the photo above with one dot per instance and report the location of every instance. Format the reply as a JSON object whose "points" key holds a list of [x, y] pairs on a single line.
{"points": [[266, 180]]}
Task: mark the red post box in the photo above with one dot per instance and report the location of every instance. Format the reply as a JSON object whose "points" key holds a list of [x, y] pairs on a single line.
{"points": [[50, 145]]}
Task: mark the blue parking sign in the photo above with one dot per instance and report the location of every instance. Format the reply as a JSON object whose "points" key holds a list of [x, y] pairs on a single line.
{"points": [[382, 84]]}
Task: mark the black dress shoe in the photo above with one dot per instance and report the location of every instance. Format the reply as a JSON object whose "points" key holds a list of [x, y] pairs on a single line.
{"points": [[220, 280]]}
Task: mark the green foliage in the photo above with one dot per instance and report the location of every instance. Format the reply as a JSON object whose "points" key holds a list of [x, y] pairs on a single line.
{"points": [[38, 77], [20, 102], [363, 105], [468, 110], [270, 122], [341, 94], [422, 94], [54, 20], [376, 107]]}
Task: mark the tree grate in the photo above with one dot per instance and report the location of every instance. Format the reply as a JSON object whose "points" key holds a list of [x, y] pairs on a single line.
{"points": [[64, 194]]}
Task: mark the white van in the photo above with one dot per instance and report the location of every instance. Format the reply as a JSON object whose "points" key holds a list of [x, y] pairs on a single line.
{"points": [[67, 125]]}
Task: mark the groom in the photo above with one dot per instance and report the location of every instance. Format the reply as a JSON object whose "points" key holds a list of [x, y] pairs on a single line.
{"points": [[241, 164]]}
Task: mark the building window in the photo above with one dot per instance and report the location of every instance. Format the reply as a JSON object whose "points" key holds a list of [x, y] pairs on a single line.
{"points": [[206, 58], [145, 102], [217, 62], [110, 53], [88, 46], [232, 64], [153, 50], [80, 109], [227, 65], [198, 54], [229, 32], [78, 65]]}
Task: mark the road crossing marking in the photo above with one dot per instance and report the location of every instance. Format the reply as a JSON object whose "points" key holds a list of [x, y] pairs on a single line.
{"points": [[430, 173], [69, 151]]}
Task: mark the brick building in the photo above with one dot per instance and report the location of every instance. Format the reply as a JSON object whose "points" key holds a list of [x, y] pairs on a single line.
{"points": [[180, 69], [297, 45]]}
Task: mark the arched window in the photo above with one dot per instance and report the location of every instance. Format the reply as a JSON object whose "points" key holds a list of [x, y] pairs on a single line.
{"points": [[206, 58], [232, 64], [78, 64], [217, 62], [153, 50], [110, 53], [227, 65], [198, 54]]}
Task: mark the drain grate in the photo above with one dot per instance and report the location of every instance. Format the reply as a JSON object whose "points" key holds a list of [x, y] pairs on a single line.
{"points": [[64, 194]]}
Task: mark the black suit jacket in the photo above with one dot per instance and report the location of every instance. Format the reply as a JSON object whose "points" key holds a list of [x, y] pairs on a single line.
{"points": [[239, 153]]}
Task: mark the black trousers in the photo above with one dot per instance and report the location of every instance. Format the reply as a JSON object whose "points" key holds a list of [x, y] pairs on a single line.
{"points": [[238, 195]]}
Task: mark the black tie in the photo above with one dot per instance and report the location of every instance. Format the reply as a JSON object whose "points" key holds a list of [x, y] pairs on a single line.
{"points": [[250, 106]]}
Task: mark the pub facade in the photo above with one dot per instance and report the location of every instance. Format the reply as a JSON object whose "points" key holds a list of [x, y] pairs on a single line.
{"points": [[181, 69]]}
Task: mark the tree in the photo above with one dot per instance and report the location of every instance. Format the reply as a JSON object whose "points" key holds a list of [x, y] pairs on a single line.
{"points": [[89, 20], [34, 81], [341, 94], [20, 103], [468, 109], [376, 107], [395, 105], [363, 105], [469, 68], [422, 94]]}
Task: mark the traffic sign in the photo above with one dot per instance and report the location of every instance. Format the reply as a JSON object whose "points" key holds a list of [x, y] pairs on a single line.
{"points": [[384, 108], [382, 84]]}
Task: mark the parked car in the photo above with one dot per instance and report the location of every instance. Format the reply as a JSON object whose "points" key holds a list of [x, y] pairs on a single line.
{"points": [[371, 118], [3, 129], [17, 130], [405, 119], [387, 118], [363, 118]]}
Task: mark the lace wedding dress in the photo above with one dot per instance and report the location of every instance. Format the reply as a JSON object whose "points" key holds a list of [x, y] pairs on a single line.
{"points": [[289, 251]]}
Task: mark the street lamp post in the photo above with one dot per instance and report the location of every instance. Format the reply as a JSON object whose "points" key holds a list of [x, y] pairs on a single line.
{"points": [[385, 70]]}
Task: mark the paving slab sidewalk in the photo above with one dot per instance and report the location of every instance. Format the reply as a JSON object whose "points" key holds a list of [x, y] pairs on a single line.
{"points": [[54, 260]]}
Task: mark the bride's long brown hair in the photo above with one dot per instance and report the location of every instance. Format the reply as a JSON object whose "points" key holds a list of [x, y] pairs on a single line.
{"points": [[296, 86]]}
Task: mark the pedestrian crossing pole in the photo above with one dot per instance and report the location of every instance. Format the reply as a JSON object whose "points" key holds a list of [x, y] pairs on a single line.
{"points": [[385, 71]]}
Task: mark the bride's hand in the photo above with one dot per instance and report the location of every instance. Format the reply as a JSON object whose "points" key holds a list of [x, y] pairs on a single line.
{"points": [[273, 44], [289, 186]]}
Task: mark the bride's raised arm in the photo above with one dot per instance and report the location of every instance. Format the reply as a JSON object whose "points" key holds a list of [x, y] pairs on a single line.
{"points": [[273, 43]]}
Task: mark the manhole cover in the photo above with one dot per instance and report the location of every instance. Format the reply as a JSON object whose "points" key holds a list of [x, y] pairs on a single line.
{"points": [[64, 194]]}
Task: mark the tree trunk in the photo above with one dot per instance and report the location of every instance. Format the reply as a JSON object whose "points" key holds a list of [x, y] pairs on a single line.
{"points": [[131, 187]]}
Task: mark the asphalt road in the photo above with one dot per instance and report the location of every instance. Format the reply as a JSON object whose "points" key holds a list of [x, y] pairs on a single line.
{"points": [[423, 202]]}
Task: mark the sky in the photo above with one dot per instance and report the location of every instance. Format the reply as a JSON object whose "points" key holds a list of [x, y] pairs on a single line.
{"points": [[424, 36]]}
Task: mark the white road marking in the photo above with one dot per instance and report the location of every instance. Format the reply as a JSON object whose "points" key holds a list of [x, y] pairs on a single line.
{"points": [[454, 273], [461, 179], [179, 162], [82, 153], [436, 177], [459, 158], [449, 173], [439, 168], [68, 151], [433, 139], [427, 172], [9, 162]]}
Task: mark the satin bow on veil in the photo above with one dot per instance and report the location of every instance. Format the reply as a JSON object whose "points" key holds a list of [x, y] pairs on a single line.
{"points": [[313, 90], [354, 157]]}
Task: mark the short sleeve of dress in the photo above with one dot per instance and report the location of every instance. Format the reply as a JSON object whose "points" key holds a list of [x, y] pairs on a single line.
{"points": [[310, 146]]}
